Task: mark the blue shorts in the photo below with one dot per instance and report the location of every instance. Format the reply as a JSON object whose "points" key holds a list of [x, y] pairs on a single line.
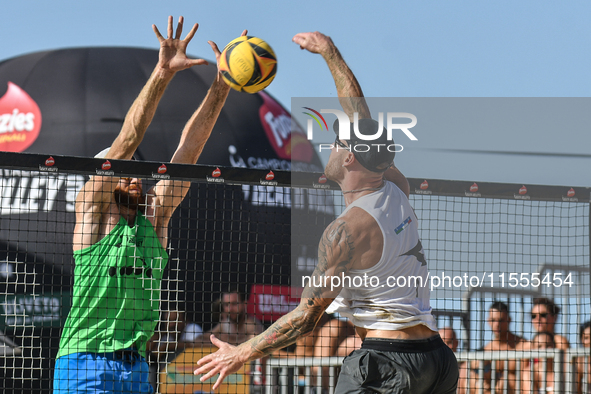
{"points": [[124, 371]]}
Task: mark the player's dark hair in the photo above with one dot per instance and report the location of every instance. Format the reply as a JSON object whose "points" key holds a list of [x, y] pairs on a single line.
{"points": [[500, 306], [453, 332], [584, 326], [237, 289], [552, 307]]}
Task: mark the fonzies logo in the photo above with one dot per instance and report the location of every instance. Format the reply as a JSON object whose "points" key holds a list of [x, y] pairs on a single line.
{"points": [[286, 137], [345, 128], [20, 120]]}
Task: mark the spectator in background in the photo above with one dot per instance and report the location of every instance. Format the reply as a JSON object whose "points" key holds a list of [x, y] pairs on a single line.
{"points": [[235, 325], [544, 314], [503, 339], [349, 344], [584, 363], [306, 347], [173, 335], [543, 369], [331, 335], [585, 334], [332, 338], [449, 337]]}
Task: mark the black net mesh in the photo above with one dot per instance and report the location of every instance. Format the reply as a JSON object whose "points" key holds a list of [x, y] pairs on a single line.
{"points": [[239, 241]]}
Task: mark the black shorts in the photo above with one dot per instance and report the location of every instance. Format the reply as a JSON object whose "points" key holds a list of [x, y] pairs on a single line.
{"points": [[399, 366]]}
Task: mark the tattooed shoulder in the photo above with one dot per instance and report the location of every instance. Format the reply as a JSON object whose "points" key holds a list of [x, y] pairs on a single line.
{"points": [[337, 245], [335, 230]]}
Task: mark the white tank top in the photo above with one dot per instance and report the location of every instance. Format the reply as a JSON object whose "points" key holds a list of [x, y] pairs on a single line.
{"points": [[385, 305]]}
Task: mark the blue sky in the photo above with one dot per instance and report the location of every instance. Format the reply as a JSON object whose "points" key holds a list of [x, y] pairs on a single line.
{"points": [[429, 48], [396, 49]]}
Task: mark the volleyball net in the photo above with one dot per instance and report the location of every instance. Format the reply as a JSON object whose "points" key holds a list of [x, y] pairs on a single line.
{"points": [[241, 242]]}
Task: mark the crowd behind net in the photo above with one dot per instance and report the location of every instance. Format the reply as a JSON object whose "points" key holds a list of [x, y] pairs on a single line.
{"points": [[243, 238]]}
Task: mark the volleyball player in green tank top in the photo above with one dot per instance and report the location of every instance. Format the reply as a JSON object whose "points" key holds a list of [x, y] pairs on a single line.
{"points": [[120, 241]]}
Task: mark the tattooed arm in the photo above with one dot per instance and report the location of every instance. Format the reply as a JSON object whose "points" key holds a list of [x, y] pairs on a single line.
{"points": [[335, 257], [348, 88], [335, 254]]}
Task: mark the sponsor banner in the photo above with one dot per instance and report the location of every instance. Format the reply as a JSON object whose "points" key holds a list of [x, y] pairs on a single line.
{"points": [[269, 302], [287, 139], [34, 310], [33, 192], [20, 120], [499, 190], [311, 180], [146, 169]]}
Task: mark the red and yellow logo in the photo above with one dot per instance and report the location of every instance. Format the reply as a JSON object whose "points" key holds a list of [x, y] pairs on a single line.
{"points": [[287, 139], [20, 120]]}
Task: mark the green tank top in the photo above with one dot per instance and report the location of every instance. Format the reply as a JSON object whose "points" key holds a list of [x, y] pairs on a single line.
{"points": [[116, 295]]}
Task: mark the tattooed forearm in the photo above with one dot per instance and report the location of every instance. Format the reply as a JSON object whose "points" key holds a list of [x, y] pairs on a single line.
{"points": [[286, 330], [335, 256], [348, 88]]}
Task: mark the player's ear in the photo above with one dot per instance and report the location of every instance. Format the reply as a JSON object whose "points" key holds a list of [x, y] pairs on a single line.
{"points": [[349, 159]]}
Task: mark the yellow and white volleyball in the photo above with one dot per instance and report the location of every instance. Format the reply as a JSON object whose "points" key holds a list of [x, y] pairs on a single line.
{"points": [[248, 64]]}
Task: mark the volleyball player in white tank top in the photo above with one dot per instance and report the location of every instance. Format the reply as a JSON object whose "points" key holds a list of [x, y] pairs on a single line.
{"points": [[402, 351], [383, 304]]}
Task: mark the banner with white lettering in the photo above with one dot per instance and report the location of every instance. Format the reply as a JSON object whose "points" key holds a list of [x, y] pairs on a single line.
{"points": [[268, 303]]}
